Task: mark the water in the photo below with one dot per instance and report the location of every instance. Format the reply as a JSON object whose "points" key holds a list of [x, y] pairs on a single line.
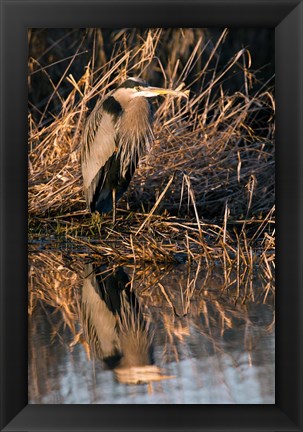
{"points": [[152, 335]]}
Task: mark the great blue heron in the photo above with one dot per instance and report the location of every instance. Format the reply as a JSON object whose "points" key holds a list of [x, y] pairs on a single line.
{"points": [[117, 133]]}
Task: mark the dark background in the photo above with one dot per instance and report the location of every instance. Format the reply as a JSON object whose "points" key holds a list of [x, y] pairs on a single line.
{"points": [[53, 49]]}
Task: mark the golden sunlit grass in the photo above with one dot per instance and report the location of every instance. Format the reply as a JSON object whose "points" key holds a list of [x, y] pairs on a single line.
{"points": [[206, 188], [210, 142]]}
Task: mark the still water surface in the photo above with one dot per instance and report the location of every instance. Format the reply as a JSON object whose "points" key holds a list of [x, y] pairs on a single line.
{"points": [[122, 335]]}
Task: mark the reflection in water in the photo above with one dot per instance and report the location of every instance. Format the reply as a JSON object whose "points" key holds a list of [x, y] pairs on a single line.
{"points": [[114, 325], [93, 329]]}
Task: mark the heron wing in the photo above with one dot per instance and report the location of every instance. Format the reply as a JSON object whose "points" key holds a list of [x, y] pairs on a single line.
{"points": [[99, 144]]}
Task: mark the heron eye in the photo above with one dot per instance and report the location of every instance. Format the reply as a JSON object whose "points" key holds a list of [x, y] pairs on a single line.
{"points": [[137, 88]]}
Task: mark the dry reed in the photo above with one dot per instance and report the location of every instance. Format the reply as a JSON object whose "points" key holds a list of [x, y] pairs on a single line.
{"points": [[206, 189], [218, 145]]}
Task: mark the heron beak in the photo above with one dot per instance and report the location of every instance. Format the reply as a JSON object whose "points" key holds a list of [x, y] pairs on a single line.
{"points": [[157, 91]]}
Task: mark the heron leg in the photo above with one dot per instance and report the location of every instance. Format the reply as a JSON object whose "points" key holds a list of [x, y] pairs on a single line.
{"points": [[114, 205]]}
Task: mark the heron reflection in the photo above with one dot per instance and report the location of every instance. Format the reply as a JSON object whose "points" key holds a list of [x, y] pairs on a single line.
{"points": [[114, 326]]}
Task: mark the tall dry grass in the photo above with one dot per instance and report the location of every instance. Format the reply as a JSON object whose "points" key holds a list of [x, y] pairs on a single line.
{"points": [[207, 186], [218, 145]]}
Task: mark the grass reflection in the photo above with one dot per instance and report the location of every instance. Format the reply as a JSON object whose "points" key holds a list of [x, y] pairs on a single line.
{"points": [[137, 321]]}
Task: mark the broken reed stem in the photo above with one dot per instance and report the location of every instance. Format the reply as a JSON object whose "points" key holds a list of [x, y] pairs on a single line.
{"points": [[193, 201], [155, 205]]}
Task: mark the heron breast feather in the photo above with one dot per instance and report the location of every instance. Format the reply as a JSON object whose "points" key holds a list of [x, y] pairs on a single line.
{"points": [[101, 149]]}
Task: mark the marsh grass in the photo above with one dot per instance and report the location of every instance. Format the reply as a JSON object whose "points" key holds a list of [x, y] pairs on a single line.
{"points": [[206, 188]]}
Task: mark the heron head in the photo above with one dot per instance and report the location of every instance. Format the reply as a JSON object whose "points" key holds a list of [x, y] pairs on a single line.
{"points": [[137, 87]]}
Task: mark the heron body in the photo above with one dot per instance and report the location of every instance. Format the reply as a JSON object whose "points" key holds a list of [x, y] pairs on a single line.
{"points": [[118, 132], [112, 321]]}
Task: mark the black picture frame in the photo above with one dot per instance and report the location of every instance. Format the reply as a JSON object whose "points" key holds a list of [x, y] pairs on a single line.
{"points": [[286, 16]]}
